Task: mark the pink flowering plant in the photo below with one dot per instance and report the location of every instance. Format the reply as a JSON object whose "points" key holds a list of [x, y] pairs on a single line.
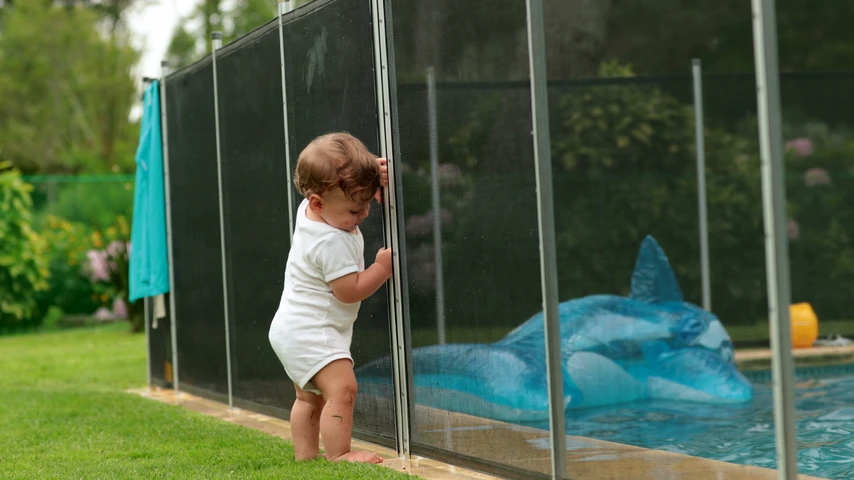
{"points": [[107, 265], [820, 205]]}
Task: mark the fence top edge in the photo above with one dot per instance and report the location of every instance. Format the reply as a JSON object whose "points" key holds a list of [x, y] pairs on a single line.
{"points": [[253, 36], [615, 81]]}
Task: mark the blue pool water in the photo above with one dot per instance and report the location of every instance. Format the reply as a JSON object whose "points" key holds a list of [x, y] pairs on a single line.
{"points": [[742, 434]]}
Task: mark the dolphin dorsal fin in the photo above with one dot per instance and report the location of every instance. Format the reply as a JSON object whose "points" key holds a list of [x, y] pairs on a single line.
{"points": [[653, 280]]}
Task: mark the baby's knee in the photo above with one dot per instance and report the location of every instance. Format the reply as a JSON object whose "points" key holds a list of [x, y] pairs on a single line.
{"points": [[342, 393]]}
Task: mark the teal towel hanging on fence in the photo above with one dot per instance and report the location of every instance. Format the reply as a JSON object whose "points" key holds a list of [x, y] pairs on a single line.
{"points": [[149, 263]]}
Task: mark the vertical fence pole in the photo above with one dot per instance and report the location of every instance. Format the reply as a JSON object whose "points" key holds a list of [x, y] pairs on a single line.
{"points": [[147, 320], [146, 306], [548, 255], [776, 241], [216, 42], [439, 269], [173, 319], [699, 128], [437, 204], [398, 337], [285, 7]]}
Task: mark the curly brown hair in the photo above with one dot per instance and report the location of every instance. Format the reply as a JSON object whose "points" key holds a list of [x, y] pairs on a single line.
{"points": [[341, 160]]}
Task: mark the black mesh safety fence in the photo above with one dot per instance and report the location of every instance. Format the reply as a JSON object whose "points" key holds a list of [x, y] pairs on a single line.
{"points": [[470, 233], [624, 167], [330, 87], [196, 243], [603, 212], [818, 136], [255, 211], [628, 238], [636, 339], [644, 364]]}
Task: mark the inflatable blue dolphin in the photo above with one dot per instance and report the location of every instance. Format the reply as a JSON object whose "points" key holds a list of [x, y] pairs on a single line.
{"points": [[650, 345]]}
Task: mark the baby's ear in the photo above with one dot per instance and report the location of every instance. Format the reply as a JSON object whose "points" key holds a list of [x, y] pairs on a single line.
{"points": [[315, 203]]}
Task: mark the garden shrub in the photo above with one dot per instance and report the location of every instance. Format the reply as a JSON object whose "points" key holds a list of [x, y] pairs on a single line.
{"points": [[70, 289], [92, 201], [23, 265]]}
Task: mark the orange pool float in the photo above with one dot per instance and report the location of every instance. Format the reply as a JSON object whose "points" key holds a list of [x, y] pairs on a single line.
{"points": [[804, 324]]}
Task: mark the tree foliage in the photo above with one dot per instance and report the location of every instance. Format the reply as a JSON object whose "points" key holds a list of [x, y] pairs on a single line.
{"points": [[23, 264], [67, 94], [191, 39]]}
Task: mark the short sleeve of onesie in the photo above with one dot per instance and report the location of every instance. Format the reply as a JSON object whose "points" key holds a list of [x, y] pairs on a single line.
{"points": [[336, 257]]}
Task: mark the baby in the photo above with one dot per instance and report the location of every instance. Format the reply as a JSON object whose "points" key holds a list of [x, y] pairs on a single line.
{"points": [[325, 282]]}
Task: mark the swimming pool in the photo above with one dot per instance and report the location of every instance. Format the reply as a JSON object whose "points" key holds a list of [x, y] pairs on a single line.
{"points": [[743, 434]]}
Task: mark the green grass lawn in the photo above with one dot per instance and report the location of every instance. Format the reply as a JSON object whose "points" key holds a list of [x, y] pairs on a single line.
{"points": [[64, 413]]}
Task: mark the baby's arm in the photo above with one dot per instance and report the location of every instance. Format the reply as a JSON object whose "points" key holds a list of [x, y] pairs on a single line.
{"points": [[358, 286]]}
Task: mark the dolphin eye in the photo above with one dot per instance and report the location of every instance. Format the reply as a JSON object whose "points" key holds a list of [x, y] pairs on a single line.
{"points": [[689, 328], [727, 353]]}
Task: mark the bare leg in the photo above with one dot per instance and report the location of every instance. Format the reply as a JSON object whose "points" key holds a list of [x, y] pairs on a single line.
{"points": [[337, 381], [305, 424]]}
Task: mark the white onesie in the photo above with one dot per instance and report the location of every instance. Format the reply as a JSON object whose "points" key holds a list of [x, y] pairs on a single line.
{"points": [[312, 327]]}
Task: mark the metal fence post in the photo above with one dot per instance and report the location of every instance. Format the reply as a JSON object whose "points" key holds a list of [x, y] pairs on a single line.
{"points": [[699, 128], [173, 320], [146, 316], [548, 254], [216, 42], [776, 241], [437, 204], [390, 212], [285, 7]]}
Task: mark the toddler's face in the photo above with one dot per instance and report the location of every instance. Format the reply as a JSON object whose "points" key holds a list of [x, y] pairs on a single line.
{"points": [[342, 212]]}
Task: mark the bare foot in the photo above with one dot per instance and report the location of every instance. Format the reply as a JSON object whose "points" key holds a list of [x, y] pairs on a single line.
{"points": [[359, 456], [307, 459]]}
